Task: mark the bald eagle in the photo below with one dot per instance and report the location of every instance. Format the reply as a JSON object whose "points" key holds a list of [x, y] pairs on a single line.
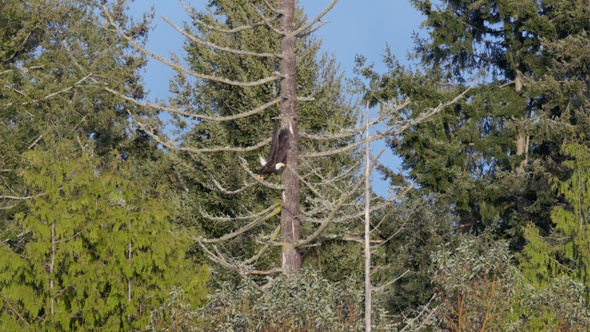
{"points": [[277, 157]]}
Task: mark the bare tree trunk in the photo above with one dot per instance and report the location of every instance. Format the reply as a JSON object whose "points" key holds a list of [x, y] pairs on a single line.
{"points": [[51, 269], [522, 139], [367, 229], [129, 248], [291, 260]]}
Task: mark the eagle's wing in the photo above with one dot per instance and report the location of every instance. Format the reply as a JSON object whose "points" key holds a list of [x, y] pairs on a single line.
{"points": [[283, 147], [277, 157], [274, 146]]}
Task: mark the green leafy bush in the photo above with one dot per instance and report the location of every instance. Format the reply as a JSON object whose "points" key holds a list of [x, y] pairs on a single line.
{"points": [[305, 303], [480, 289]]}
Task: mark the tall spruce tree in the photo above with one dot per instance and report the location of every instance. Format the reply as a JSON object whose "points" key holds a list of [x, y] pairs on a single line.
{"points": [[561, 250], [317, 76], [490, 156], [493, 158], [236, 84]]}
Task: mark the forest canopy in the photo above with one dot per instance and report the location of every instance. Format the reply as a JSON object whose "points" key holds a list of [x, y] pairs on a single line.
{"points": [[121, 211]]}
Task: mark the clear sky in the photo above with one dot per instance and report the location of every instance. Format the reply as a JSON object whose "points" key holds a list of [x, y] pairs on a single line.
{"points": [[362, 27], [355, 27]]}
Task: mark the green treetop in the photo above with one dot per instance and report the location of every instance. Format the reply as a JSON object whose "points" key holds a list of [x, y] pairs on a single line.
{"points": [[490, 155]]}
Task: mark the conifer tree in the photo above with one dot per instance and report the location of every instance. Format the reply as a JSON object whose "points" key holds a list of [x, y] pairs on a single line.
{"points": [[491, 154], [81, 230], [54, 62], [560, 250], [95, 255], [530, 87], [563, 251], [238, 82], [317, 76]]}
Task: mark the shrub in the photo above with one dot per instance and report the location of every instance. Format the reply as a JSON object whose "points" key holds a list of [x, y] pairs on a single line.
{"points": [[304, 303]]}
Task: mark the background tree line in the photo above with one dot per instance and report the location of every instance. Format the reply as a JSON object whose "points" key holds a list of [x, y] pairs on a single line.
{"points": [[118, 212]]}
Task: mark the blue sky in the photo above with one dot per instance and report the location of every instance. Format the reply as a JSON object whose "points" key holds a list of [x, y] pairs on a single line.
{"points": [[362, 27], [355, 27]]}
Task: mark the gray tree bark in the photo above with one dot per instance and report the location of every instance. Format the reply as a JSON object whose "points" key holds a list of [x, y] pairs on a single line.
{"points": [[290, 224]]}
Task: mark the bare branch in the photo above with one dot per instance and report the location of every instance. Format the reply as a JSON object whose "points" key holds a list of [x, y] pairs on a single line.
{"points": [[330, 216], [53, 94], [266, 272], [266, 246], [351, 132], [218, 47], [312, 188], [66, 240], [275, 10], [218, 258], [347, 217], [8, 207], [267, 21], [349, 238], [231, 192], [24, 70], [315, 20], [20, 198], [245, 217], [400, 196], [10, 305], [410, 323], [344, 148], [312, 30], [183, 69], [35, 142], [174, 110], [333, 179], [277, 210], [404, 125], [382, 287], [173, 146], [305, 98]]}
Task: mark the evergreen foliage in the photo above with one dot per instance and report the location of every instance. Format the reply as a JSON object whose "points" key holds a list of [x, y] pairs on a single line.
{"points": [[56, 60], [414, 228], [493, 154], [95, 255], [565, 250], [85, 230], [98, 221]]}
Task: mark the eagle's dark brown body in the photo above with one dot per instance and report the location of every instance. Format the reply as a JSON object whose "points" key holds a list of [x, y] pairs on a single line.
{"points": [[277, 157]]}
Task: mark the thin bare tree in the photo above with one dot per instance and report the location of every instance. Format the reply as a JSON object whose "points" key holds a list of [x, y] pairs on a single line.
{"points": [[367, 235]]}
